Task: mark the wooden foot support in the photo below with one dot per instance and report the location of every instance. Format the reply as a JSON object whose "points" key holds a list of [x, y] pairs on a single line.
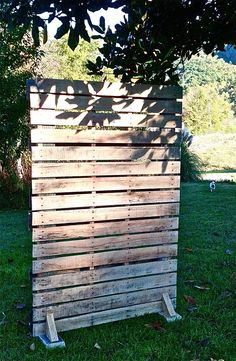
{"points": [[51, 339], [168, 309]]}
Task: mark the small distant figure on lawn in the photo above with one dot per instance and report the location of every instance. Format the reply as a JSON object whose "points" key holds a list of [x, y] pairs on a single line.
{"points": [[212, 186]]}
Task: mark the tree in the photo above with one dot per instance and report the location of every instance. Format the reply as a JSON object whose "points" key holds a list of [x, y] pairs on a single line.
{"points": [[148, 46], [205, 69], [60, 62], [18, 58], [205, 109]]}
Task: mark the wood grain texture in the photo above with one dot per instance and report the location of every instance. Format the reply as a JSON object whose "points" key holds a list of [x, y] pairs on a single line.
{"points": [[121, 120], [104, 243], [98, 153], [104, 228], [103, 258], [99, 136], [61, 86], [70, 201], [105, 202], [66, 324], [71, 278], [104, 214], [90, 184], [103, 303], [81, 169], [103, 289]]}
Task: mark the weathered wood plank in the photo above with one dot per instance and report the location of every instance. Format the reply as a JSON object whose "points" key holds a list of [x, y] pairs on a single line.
{"points": [[61, 86], [103, 258], [97, 153], [90, 184], [104, 303], [104, 214], [103, 199], [96, 103], [66, 324], [104, 229], [162, 136], [103, 289], [54, 117], [80, 169], [96, 275], [104, 243]]}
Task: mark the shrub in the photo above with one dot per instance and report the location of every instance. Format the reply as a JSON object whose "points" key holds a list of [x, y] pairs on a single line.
{"points": [[191, 165]]}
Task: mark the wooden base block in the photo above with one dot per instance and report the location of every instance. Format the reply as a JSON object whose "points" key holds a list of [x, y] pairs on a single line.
{"points": [[51, 345], [168, 309]]}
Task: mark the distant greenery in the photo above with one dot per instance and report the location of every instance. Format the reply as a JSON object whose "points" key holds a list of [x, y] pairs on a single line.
{"points": [[205, 69], [60, 62], [205, 108], [217, 150]]}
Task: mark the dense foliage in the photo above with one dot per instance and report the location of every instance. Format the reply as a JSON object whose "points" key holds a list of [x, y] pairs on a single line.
{"points": [[191, 165], [157, 35], [18, 58], [205, 109]]}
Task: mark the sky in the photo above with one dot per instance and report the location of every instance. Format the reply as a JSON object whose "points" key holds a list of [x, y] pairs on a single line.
{"points": [[112, 17]]}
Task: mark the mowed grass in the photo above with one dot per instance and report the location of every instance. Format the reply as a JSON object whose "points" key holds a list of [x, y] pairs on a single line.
{"points": [[207, 230]]}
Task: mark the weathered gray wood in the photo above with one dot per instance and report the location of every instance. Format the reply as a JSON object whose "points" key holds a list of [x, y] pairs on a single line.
{"points": [[104, 303], [103, 214], [66, 153], [103, 289], [104, 228], [104, 243], [66, 324], [103, 258], [90, 184], [61, 86], [96, 275], [81, 169], [54, 117], [45, 202], [99, 136]]}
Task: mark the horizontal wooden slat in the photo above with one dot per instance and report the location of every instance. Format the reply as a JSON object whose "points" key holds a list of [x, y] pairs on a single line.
{"points": [[103, 258], [97, 153], [103, 214], [103, 289], [61, 86], [163, 136], [96, 275], [46, 170], [104, 243], [96, 103], [103, 199], [90, 184], [104, 228], [103, 303], [54, 117], [97, 318]]}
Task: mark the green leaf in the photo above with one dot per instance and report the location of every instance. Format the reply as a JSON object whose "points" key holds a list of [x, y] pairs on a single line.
{"points": [[63, 29], [73, 39], [102, 23]]}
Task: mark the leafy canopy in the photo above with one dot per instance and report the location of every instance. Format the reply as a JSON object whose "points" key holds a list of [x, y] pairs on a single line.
{"points": [[148, 46]]}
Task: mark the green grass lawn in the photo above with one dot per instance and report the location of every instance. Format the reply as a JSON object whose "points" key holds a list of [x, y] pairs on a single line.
{"points": [[207, 230]]}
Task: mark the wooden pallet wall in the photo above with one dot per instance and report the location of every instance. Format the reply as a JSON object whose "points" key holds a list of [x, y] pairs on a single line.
{"points": [[105, 200]]}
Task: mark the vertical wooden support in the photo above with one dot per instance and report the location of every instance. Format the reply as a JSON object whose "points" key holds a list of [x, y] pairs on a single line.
{"points": [[51, 339], [168, 309]]}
